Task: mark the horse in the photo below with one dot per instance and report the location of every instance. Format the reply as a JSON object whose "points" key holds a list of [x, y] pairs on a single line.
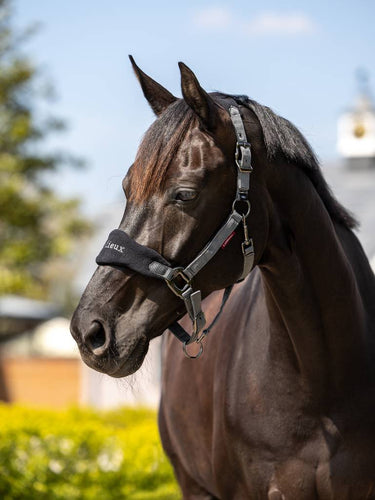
{"points": [[281, 403]]}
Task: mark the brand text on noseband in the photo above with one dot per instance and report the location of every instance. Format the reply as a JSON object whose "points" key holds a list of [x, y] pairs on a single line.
{"points": [[114, 246]]}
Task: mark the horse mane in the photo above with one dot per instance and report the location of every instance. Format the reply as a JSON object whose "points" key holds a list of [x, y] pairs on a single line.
{"points": [[281, 138]]}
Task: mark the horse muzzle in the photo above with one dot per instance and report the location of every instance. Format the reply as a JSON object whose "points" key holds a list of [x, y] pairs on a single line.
{"points": [[103, 349]]}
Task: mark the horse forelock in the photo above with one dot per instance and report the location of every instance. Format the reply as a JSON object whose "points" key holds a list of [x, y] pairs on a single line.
{"points": [[158, 148]]}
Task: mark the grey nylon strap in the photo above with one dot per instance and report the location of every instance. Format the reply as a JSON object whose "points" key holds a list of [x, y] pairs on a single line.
{"points": [[213, 246], [243, 154], [248, 259], [243, 160], [209, 251], [197, 316], [238, 124], [161, 270]]}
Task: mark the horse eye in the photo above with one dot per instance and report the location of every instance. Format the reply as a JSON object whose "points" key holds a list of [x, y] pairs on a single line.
{"points": [[186, 195]]}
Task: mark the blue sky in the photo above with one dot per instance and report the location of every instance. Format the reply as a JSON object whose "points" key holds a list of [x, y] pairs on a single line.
{"points": [[297, 57]]}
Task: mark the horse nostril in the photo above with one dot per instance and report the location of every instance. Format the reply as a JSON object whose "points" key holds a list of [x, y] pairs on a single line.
{"points": [[96, 339]]}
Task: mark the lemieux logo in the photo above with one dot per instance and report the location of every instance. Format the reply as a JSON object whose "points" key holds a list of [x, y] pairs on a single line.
{"points": [[113, 246]]}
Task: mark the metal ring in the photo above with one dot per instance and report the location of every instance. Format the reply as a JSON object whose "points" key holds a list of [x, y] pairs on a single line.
{"points": [[189, 355], [247, 203]]}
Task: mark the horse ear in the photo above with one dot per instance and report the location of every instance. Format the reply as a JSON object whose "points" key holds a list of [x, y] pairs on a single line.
{"points": [[158, 97], [197, 98]]}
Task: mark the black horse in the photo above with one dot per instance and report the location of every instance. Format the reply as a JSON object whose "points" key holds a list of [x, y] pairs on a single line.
{"points": [[281, 405]]}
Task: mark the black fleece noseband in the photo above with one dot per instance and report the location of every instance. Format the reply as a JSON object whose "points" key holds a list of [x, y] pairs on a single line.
{"points": [[122, 251]]}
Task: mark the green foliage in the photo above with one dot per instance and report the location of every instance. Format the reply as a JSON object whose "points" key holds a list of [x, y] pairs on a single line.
{"points": [[37, 228], [82, 455]]}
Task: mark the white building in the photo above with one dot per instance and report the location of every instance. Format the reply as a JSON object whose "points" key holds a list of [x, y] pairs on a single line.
{"points": [[356, 130]]}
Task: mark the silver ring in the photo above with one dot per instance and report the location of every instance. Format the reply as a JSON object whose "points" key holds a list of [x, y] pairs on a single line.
{"points": [[247, 203], [196, 356]]}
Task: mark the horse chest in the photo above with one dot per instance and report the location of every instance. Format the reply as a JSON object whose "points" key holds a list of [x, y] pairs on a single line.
{"points": [[235, 442], [277, 450]]}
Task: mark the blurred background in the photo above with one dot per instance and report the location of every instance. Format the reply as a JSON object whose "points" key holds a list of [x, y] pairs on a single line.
{"points": [[72, 116]]}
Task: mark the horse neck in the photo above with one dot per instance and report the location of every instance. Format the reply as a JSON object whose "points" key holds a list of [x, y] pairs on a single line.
{"points": [[312, 293]]}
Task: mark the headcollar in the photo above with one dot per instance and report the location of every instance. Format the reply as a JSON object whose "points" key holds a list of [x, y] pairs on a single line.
{"points": [[122, 252]]}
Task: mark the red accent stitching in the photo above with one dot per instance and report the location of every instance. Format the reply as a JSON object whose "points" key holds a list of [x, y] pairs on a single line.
{"points": [[228, 240]]}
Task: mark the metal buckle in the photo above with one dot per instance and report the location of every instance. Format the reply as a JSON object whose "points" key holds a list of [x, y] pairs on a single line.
{"points": [[175, 287], [238, 155]]}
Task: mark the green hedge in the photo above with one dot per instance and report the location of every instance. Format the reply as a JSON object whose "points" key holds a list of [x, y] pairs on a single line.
{"points": [[82, 454]]}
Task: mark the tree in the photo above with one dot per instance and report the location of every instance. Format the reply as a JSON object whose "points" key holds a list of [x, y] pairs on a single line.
{"points": [[37, 227]]}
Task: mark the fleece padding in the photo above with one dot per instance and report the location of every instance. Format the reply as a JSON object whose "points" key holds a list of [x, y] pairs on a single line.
{"points": [[123, 252]]}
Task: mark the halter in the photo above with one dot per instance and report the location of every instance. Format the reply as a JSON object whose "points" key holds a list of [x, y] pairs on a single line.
{"points": [[121, 251]]}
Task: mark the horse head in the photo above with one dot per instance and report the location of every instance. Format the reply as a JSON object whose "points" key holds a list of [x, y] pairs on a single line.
{"points": [[180, 191]]}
